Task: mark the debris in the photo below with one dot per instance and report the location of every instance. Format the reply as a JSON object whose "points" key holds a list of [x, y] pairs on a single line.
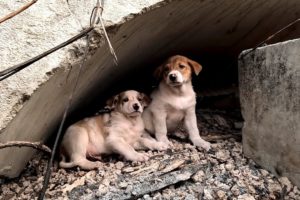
{"points": [[184, 172]]}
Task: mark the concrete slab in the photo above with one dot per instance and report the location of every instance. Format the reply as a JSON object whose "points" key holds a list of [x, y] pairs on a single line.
{"points": [[269, 81]]}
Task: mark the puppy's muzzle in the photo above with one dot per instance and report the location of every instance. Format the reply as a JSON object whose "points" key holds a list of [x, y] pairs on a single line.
{"points": [[173, 77], [136, 107]]}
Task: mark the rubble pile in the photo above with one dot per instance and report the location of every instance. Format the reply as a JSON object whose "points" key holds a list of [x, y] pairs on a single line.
{"points": [[184, 172]]}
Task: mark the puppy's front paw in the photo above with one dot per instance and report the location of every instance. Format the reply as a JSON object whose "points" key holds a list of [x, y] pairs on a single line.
{"points": [[164, 140], [141, 157], [98, 164], [161, 146], [202, 143]]}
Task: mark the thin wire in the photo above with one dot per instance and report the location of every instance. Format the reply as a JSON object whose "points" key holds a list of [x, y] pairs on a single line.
{"points": [[14, 69], [271, 36], [99, 11], [96, 14], [69, 103]]}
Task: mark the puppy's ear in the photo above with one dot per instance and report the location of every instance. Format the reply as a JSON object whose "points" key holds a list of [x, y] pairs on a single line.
{"points": [[112, 102], [146, 99], [196, 67], [158, 72]]}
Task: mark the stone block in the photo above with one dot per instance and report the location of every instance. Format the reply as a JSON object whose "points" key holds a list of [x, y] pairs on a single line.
{"points": [[269, 81]]}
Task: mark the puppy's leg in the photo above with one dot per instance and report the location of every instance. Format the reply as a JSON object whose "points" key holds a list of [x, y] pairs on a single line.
{"points": [[76, 142], [160, 127], [150, 143], [79, 157], [86, 164], [190, 122], [82, 162], [121, 147]]}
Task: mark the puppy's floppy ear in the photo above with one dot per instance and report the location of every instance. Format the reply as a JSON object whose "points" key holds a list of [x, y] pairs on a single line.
{"points": [[112, 102], [146, 99], [158, 72], [196, 67]]}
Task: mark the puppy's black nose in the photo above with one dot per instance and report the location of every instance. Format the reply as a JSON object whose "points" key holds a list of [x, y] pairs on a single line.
{"points": [[136, 107], [173, 77]]}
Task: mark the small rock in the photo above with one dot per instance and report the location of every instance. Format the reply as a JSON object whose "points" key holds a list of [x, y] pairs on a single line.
{"points": [[188, 146], [128, 169], [223, 186], [236, 173], [195, 157], [119, 165], [123, 184], [198, 177], [147, 197], [221, 194], [88, 191], [89, 181], [207, 194], [264, 172], [129, 189], [26, 183], [102, 189], [106, 182], [229, 166], [292, 195], [246, 197], [274, 187], [286, 182], [235, 190], [223, 155], [296, 190], [157, 196]]}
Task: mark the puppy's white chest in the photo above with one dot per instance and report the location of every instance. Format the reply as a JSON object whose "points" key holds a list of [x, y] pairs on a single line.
{"points": [[181, 103], [132, 133]]}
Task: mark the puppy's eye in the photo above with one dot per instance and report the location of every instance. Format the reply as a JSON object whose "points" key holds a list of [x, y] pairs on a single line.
{"points": [[166, 69], [181, 66], [125, 100], [140, 99]]}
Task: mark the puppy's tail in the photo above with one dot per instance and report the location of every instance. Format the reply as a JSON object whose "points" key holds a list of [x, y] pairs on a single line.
{"points": [[64, 164]]}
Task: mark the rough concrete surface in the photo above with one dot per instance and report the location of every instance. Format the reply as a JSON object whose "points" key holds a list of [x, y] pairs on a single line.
{"points": [[37, 29], [270, 99], [225, 26]]}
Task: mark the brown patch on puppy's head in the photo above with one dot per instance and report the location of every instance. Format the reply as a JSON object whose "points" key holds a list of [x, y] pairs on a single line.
{"points": [[112, 102], [196, 67], [144, 99], [177, 70]]}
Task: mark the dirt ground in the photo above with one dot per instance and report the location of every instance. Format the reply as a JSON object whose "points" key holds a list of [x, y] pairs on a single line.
{"points": [[184, 172]]}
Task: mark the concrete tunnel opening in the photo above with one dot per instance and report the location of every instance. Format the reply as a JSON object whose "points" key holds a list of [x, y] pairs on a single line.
{"points": [[215, 88], [142, 42]]}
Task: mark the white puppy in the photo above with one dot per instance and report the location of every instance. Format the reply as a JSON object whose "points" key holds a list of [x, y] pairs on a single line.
{"points": [[117, 132], [174, 101]]}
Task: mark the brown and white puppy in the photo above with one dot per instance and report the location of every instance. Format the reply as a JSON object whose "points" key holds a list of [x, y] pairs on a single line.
{"points": [[117, 132], [174, 101]]}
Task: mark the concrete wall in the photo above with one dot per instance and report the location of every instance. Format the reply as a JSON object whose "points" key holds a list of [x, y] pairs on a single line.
{"points": [[224, 26], [32, 101], [269, 81]]}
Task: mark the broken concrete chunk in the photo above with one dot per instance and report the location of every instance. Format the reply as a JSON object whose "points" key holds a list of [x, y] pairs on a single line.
{"points": [[269, 80]]}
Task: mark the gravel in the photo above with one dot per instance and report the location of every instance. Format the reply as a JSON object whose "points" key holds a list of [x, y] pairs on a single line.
{"points": [[185, 172]]}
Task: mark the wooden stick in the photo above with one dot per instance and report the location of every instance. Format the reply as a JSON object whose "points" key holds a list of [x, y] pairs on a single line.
{"points": [[14, 13], [213, 138], [35, 145]]}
